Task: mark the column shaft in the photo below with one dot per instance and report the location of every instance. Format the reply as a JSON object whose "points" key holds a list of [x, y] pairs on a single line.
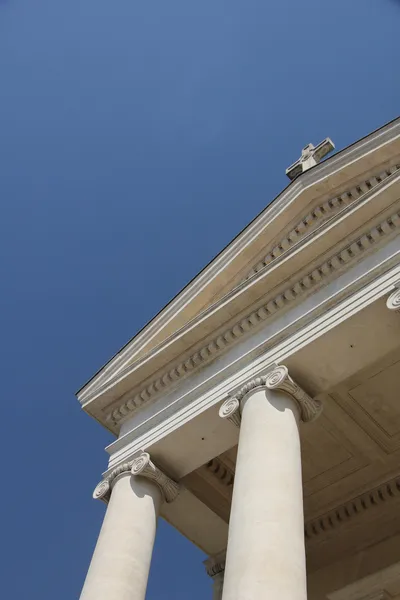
{"points": [[218, 583], [266, 554], [121, 561]]}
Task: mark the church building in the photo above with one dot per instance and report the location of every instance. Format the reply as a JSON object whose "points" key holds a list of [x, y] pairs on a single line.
{"points": [[259, 411]]}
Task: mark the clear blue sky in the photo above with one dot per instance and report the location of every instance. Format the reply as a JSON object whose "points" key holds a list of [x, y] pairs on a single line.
{"points": [[136, 139]]}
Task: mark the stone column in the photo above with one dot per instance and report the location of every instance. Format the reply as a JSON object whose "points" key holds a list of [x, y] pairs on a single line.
{"points": [[266, 554], [120, 565], [215, 567]]}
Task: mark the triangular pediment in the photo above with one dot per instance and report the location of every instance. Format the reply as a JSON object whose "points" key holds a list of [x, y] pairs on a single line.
{"points": [[305, 207]]}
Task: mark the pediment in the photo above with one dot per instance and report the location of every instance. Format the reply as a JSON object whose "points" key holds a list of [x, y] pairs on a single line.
{"points": [[304, 208]]}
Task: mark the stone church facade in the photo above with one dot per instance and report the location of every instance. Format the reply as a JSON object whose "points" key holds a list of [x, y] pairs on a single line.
{"points": [[259, 411]]}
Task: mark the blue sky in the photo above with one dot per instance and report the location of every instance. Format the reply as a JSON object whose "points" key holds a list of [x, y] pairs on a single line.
{"points": [[136, 139]]}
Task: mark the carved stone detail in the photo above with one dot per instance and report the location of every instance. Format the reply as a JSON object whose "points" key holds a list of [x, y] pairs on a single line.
{"points": [[221, 471], [143, 467], [317, 216], [393, 302], [230, 410], [215, 564], [371, 500], [338, 262], [278, 379], [249, 386], [103, 489]]}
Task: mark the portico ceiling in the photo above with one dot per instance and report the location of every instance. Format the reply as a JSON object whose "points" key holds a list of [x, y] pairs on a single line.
{"points": [[351, 453]]}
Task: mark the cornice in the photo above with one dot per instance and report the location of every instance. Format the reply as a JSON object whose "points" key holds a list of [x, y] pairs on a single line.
{"points": [[393, 302], [385, 493], [339, 261], [379, 142], [141, 466], [277, 379], [318, 215], [368, 282], [307, 231]]}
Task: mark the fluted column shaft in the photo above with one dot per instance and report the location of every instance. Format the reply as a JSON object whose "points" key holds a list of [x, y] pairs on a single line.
{"points": [[266, 552]]}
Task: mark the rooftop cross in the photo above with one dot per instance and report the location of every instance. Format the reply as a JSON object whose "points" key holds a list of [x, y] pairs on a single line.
{"points": [[310, 156]]}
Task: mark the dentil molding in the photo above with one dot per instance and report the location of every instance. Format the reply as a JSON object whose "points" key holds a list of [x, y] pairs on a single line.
{"points": [[141, 466], [277, 379], [318, 215], [220, 471], [102, 491], [385, 493], [215, 564], [339, 261]]}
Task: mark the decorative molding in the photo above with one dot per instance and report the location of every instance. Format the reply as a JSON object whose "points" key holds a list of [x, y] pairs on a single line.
{"points": [[393, 302], [221, 471], [102, 491], [215, 564], [368, 282], [386, 492], [142, 466], [277, 379], [230, 410], [317, 216], [341, 260], [355, 154]]}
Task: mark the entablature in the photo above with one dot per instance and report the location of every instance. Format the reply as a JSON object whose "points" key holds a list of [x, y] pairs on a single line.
{"points": [[330, 250], [303, 207]]}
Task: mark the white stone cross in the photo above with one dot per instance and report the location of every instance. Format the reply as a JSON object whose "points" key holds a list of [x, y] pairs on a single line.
{"points": [[310, 156]]}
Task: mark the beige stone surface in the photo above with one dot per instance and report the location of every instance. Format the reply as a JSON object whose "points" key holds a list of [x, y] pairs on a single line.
{"points": [[121, 561], [352, 184], [266, 555], [313, 284]]}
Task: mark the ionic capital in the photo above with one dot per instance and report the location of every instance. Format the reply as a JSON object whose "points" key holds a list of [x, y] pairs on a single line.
{"points": [[278, 379], [143, 467], [393, 302], [140, 466], [102, 491], [230, 410]]}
